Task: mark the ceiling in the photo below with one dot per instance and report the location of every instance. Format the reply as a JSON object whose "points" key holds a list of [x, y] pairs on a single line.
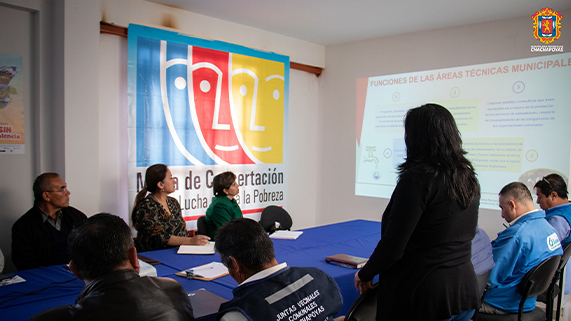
{"points": [[329, 22]]}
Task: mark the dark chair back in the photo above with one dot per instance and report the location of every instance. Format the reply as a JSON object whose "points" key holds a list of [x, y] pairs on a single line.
{"points": [[557, 287], [483, 281], [566, 255], [201, 225], [364, 308], [275, 218], [536, 281], [483, 287]]}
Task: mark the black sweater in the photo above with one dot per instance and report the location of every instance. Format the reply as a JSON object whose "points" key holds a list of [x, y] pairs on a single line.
{"points": [[31, 239], [423, 257]]}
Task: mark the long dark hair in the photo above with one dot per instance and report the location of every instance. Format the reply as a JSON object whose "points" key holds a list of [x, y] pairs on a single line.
{"points": [[433, 143], [154, 174]]}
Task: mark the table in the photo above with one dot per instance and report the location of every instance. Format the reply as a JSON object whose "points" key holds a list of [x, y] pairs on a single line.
{"points": [[357, 237]]}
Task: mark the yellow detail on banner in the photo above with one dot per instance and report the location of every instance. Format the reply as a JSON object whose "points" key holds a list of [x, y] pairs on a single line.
{"points": [[258, 99]]}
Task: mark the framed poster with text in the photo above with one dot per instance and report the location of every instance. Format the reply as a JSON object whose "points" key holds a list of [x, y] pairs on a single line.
{"points": [[11, 105]]}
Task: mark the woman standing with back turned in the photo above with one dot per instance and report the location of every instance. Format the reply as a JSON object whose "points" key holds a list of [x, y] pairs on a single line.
{"points": [[423, 257]]}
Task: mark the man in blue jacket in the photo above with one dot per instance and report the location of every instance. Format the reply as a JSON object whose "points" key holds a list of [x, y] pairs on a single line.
{"points": [[268, 290], [527, 241], [552, 193]]}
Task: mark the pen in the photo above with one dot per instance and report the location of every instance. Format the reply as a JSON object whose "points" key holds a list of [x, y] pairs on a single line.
{"points": [[191, 275]]}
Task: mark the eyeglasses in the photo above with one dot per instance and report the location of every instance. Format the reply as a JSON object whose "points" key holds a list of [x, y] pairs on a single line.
{"points": [[61, 190], [548, 183]]}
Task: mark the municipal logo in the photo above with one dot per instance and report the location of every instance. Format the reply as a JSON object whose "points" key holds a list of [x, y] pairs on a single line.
{"points": [[546, 25]]}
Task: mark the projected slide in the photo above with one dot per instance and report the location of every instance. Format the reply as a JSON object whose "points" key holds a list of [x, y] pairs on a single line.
{"points": [[514, 117]]}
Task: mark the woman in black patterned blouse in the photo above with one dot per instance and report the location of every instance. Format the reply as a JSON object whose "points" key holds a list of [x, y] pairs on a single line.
{"points": [[157, 217]]}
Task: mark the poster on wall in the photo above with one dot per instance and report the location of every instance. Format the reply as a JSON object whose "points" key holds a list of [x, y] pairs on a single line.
{"points": [[203, 107], [11, 105]]}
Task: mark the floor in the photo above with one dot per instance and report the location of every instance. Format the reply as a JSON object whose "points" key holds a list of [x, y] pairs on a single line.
{"points": [[566, 307]]}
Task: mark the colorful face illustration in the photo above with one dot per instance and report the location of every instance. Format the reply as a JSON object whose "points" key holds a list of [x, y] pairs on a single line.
{"points": [[212, 105], [205, 106], [258, 102]]}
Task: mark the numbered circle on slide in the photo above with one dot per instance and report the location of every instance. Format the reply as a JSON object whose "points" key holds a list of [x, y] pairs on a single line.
{"points": [[388, 153], [518, 87], [455, 92], [531, 155]]}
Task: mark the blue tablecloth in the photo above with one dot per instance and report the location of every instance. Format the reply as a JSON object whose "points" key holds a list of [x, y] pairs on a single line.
{"points": [[358, 238]]}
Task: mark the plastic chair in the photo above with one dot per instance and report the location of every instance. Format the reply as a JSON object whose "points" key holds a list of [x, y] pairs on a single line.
{"points": [[364, 308], [557, 287], [201, 225], [535, 282], [275, 218], [483, 281], [483, 287]]}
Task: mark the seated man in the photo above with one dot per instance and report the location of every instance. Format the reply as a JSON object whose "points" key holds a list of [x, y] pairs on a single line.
{"points": [[552, 194], [268, 290], [104, 256], [552, 198], [39, 237], [527, 241]]}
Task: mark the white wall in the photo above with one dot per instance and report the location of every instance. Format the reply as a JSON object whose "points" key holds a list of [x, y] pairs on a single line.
{"points": [[123, 12], [450, 47], [302, 159], [33, 34], [81, 115], [21, 165], [113, 180]]}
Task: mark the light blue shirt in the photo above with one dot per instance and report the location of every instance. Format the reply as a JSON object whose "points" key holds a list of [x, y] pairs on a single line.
{"points": [[517, 249]]}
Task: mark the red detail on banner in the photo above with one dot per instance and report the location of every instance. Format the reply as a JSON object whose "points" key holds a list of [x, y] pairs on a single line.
{"points": [[206, 97], [252, 211], [361, 97]]}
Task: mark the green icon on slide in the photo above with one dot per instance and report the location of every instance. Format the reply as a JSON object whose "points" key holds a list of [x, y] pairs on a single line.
{"points": [[455, 92]]}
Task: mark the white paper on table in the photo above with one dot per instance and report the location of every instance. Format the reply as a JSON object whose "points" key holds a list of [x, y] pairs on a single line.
{"points": [[13, 280], [210, 270], [286, 235], [196, 249], [145, 269]]}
